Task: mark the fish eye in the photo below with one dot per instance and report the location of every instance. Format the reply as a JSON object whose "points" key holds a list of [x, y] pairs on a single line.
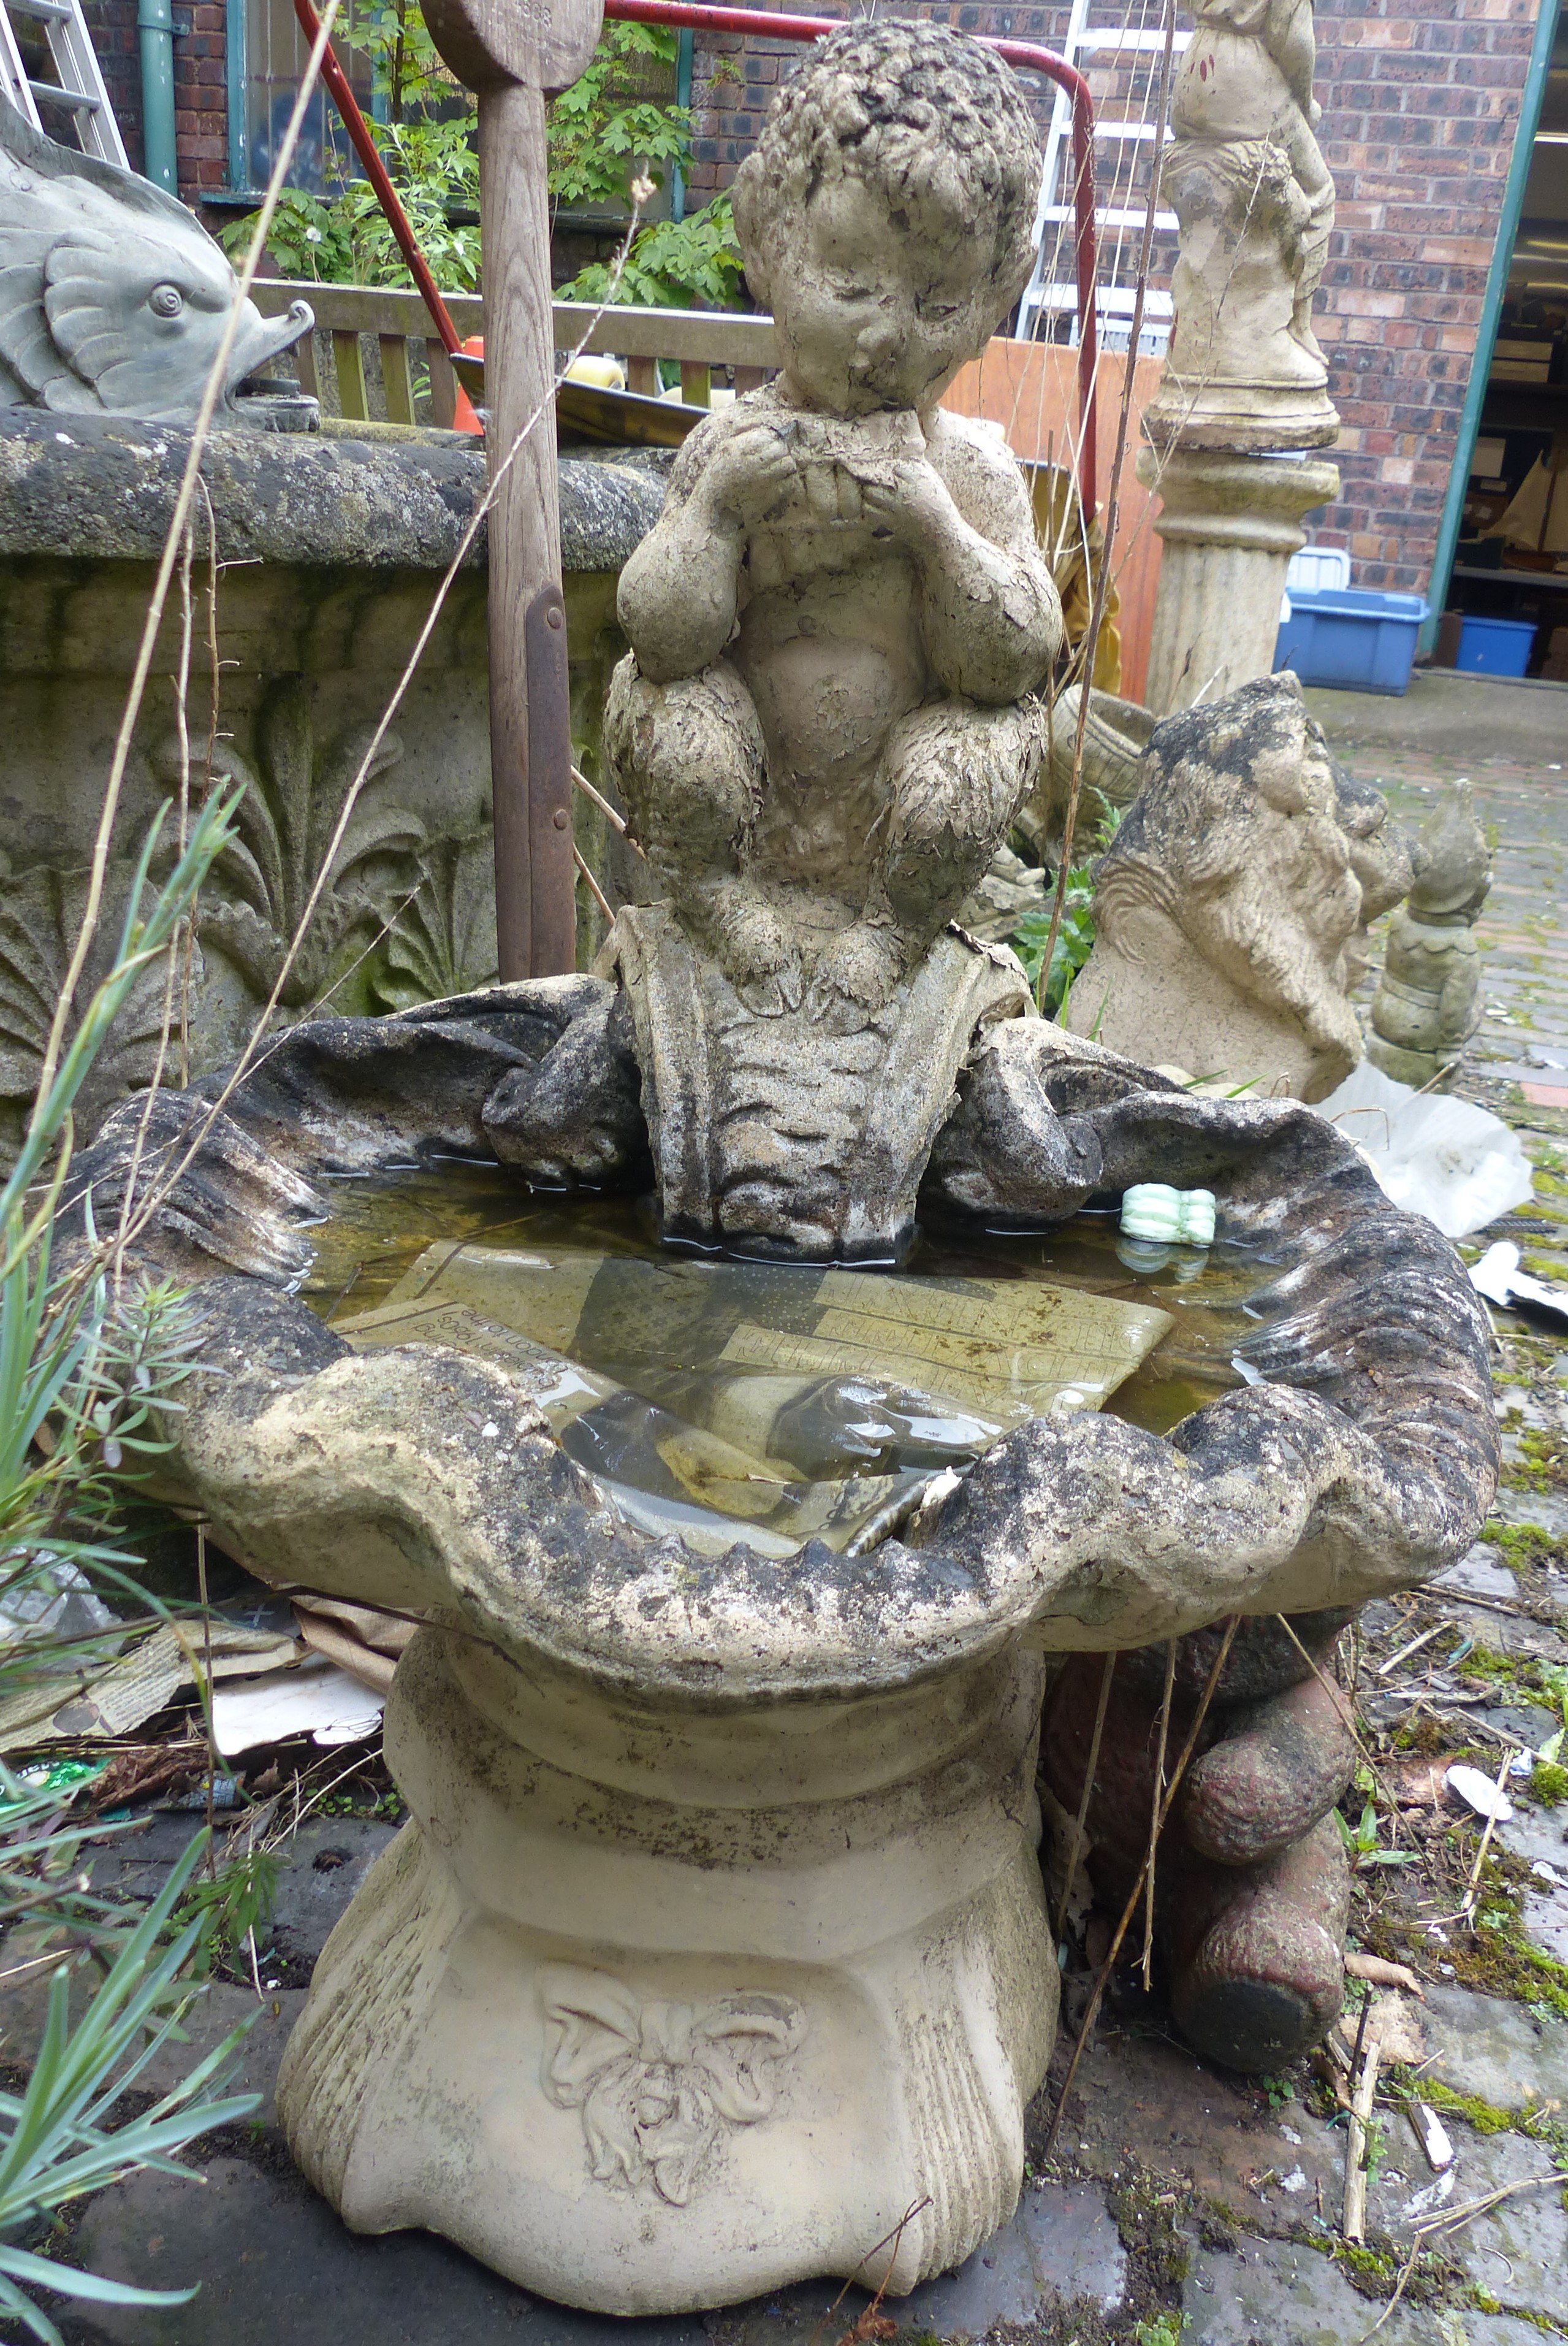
{"points": [[166, 301]]}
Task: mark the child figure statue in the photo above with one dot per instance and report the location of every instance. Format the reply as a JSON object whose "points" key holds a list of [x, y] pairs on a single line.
{"points": [[839, 624], [1254, 204]]}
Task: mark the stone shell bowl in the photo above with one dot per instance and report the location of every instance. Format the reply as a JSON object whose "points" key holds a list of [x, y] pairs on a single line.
{"points": [[716, 1943]]}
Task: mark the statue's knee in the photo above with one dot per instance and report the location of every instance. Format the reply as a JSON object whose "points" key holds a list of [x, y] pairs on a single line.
{"points": [[687, 756], [958, 773]]}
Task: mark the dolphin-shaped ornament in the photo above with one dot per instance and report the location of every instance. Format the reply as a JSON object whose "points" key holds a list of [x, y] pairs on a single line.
{"points": [[113, 297]]}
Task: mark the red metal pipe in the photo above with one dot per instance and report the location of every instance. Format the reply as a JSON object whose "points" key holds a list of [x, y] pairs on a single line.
{"points": [[370, 155], [702, 18]]}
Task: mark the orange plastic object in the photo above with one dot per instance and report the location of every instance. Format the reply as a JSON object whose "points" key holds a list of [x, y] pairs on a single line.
{"points": [[464, 418]]}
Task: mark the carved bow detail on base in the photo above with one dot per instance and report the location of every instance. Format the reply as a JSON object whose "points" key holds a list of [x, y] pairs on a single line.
{"points": [[653, 2081]]}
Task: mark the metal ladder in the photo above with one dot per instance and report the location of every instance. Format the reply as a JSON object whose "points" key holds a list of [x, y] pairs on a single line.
{"points": [[1050, 299], [78, 88]]}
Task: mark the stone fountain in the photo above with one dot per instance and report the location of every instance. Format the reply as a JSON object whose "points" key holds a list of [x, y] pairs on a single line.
{"points": [[714, 1953]]}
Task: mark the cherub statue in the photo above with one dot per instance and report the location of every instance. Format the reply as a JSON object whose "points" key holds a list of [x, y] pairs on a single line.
{"points": [[1428, 1003], [1254, 204], [1230, 908], [838, 625]]}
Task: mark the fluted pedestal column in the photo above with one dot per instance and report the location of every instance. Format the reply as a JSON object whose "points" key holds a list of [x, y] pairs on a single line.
{"points": [[1230, 524]]}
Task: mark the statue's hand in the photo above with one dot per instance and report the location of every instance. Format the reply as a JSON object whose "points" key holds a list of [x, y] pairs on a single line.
{"points": [[749, 476], [908, 499]]}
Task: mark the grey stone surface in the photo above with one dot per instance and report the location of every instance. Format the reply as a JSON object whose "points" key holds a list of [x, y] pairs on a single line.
{"points": [[333, 551], [276, 2264], [97, 486], [1518, 2253], [1479, 1574], [1500, 2052], [1276, 2293]]}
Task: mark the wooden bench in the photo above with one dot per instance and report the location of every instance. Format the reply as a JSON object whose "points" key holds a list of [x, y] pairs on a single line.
{"points": [[358, 321]]}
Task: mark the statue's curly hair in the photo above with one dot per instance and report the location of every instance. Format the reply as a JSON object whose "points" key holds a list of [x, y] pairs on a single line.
{"points": [[931, 118]]}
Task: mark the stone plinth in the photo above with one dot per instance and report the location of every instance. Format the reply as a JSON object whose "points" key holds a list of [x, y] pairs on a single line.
{"points": [[329, 553], [1230, 524]]}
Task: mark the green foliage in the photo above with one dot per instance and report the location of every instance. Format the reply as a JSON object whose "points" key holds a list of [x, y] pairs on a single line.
{"points": [[1360, 1841], [604, 129], [92, 1361], [91, 1356], [1075, 935], [1165, 2330], [694, 263], [1074, 940], [427, 143], [229, 1905], [56, 2145]]}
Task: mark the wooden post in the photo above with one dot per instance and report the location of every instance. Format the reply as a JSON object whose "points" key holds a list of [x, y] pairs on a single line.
{"points": [[515, 54]]}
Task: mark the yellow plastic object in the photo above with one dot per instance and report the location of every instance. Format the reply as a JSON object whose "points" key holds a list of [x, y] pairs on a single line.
{"points": [[607, 374], [1075, 565]]}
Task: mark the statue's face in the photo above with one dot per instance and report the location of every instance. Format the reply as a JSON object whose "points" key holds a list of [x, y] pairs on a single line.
{"points": [[871, 315]]}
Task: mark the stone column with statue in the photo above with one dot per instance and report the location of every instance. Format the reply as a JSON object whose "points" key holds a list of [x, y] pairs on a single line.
{"points": [[1245, 394]]}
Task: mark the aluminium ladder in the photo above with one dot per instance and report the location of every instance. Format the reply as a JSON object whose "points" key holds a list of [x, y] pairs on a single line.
{"points": [[1050, 300], [78, 88]]}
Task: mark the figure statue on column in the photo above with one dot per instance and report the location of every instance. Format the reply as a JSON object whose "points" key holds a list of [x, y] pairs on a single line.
{"points": [[1254, 204]]}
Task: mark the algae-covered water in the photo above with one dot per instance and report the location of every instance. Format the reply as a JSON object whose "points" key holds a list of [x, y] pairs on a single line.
{"points": [[773, 1402]]}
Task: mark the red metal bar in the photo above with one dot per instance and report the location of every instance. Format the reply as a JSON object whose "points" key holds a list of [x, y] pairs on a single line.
{"points": [[703, 17], [368, 153]]}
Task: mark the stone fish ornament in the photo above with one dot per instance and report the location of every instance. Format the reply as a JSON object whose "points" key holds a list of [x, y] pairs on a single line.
{"points": [[113, 297]]}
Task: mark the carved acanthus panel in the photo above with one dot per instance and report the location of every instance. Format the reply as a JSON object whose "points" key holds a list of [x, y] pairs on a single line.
{"points": [[288, 820], [40, 920]]}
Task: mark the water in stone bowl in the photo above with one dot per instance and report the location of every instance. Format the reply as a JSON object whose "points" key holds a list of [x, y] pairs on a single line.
{"points": [[727, 1399]]}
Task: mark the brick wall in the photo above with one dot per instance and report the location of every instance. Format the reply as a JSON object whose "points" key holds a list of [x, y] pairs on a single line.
{"points": [[1421, 101], [112, 25], [201, 97], [201, 114], [1421, 98]]}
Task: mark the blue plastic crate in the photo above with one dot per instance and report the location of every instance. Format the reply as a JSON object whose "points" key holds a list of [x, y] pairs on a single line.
{"points": [[1351, 637], [1495, 647]]}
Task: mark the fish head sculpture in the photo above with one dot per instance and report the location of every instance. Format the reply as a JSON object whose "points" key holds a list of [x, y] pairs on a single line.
{"points": [[114, 300]]}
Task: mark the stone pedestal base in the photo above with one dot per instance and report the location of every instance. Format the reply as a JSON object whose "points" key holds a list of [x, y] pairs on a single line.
{"points": [[1230, 524], [1424, 1071], [1246, 417], [655, 2009]]}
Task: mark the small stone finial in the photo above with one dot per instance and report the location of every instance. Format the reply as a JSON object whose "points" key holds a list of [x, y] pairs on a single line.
{"points": [[1428, 1003]]}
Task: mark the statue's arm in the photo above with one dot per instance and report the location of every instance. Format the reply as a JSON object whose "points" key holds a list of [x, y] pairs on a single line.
{"points": [[991, 617], [678, 594]]}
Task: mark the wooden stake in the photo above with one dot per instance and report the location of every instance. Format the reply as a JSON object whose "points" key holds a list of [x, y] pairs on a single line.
{"points": [[515, 57]]}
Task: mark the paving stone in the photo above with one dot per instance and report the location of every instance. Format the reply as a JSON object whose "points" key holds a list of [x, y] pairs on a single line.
{"points": [[1519, 2252], [312, 1894], [1149, 2099], [1498, 2051], [1277, 2293], [1479, 1574], [1544, 1509], [1062, 2249], [276, 2265]]}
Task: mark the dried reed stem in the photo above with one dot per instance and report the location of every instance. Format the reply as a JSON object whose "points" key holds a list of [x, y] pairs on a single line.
{"points": [[1130, 1909]]}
